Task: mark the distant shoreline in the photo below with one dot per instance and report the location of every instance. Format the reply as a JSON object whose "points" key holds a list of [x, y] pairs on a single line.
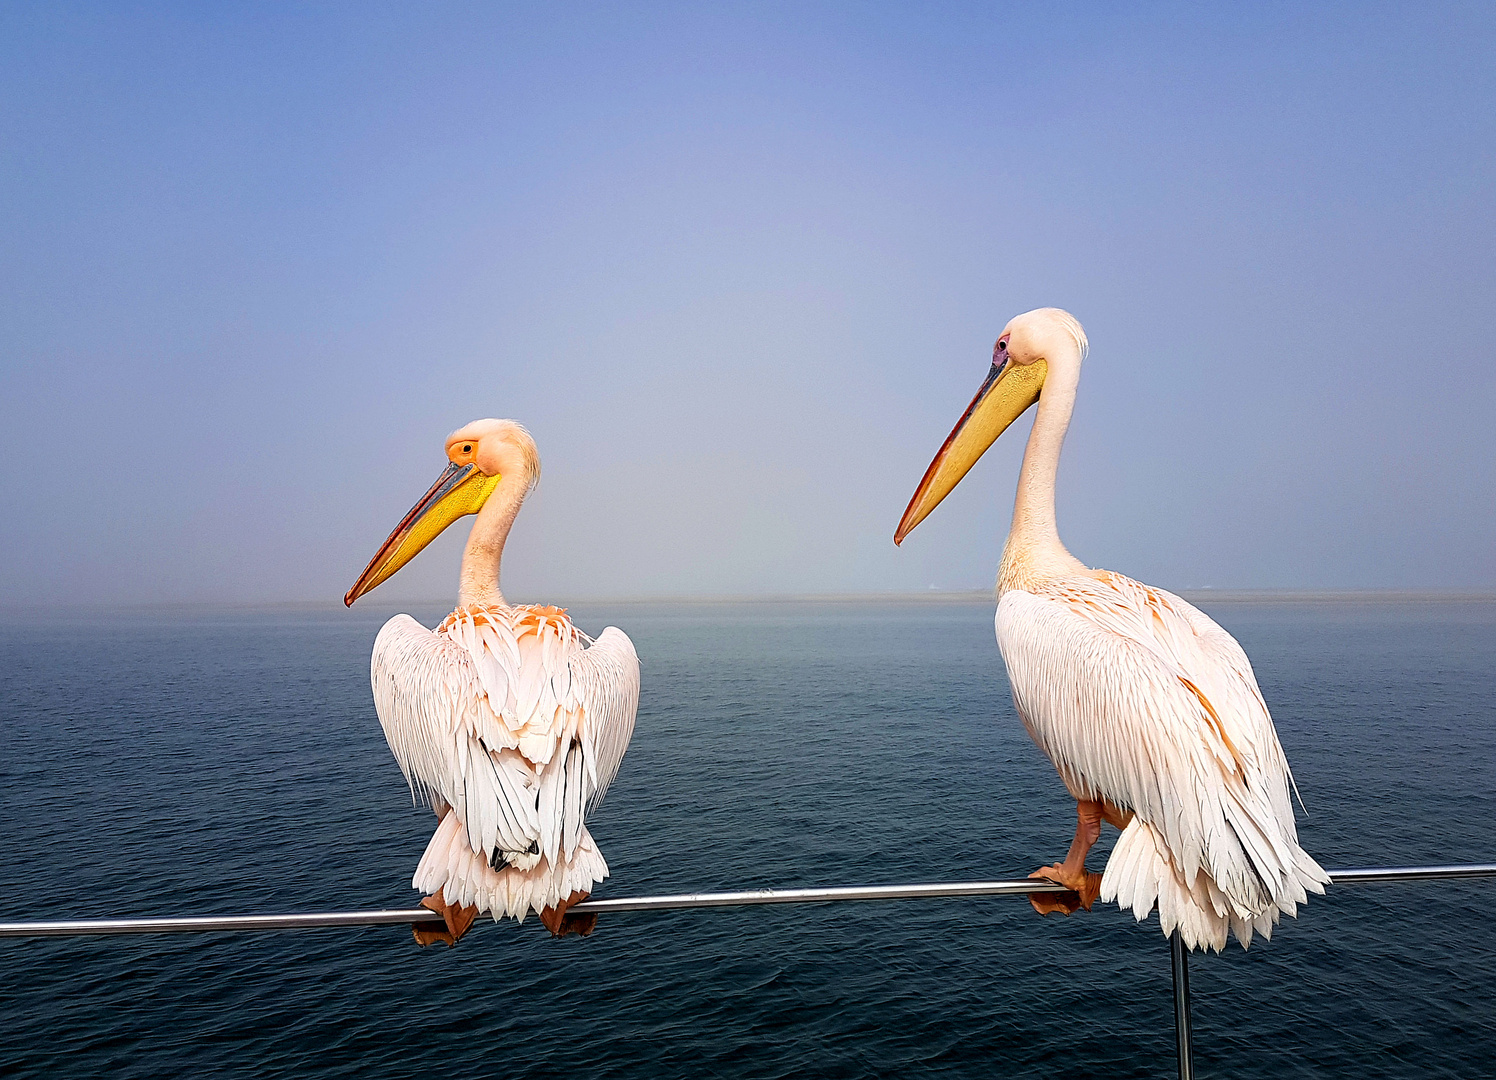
{"points": [[955, 596]]}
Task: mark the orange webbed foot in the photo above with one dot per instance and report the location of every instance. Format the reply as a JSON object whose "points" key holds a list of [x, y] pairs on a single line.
{"points": [[458, 919], [1084, 887], [559, 923]]}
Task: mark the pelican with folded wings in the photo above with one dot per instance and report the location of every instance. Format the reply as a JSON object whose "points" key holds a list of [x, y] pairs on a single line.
{"points": [[508, 719], [1148, 709]]}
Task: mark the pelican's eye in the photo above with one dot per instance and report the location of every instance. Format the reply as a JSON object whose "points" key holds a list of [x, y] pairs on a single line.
{"points": [[467, 448]]}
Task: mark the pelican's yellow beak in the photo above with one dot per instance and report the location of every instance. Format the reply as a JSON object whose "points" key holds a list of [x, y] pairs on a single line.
{"points": [[1008, 391], [460, 490]]}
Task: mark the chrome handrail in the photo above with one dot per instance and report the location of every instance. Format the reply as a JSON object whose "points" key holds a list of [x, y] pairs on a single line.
{"points": [[1179, 955], [745, 898]]}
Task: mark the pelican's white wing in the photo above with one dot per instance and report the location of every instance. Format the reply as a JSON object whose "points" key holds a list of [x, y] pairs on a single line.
{"points": [[1139, 698], [518, 722], [448, 741], [605, 679]]}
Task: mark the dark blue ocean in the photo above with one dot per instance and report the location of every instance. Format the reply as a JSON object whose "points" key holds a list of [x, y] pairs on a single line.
{"points": [[187, 763]]}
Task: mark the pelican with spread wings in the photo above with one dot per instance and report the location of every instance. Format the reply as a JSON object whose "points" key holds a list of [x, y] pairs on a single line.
{"points": [[1149, 711], [508, 719]]}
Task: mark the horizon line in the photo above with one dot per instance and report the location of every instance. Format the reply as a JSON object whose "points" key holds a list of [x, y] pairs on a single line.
{"points": [[1205, 595]]}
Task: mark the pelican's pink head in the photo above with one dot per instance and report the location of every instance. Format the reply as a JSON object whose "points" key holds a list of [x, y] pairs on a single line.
{"points": [[480, 456], [1020, 361]]}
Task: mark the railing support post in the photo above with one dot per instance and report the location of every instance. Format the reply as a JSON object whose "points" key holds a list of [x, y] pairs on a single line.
{"points": [[1181, 963]]}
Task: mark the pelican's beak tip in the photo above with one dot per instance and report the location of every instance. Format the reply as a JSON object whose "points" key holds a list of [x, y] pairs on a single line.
{"points": [[460, 490], [1004, 395]]}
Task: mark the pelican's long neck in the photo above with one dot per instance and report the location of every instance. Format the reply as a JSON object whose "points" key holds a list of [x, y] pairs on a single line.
{"points": [[479, 579], [1034, 552]]}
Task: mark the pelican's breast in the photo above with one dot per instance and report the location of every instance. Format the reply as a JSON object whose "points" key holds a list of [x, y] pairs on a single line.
{"points": [[1038, 660]]}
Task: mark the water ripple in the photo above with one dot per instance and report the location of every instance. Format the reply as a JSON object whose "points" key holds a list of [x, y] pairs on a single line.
{"points": [[232, 763]]}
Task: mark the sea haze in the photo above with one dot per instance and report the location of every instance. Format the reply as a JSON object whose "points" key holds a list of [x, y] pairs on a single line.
{"points": [[231, 762]]}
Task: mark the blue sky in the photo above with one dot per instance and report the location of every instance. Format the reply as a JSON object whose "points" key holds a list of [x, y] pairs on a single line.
{"points": [[739, 268]]}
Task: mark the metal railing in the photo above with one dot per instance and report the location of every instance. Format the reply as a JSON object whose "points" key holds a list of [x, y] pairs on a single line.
{"points": [[1179, 955]]}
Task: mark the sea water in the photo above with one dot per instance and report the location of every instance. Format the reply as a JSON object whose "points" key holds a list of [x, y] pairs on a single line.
{"points": [[156, 763]]}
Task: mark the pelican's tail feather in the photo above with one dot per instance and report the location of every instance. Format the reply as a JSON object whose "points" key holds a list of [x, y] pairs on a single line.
{"points": [[1141, 872], [529, 882]]}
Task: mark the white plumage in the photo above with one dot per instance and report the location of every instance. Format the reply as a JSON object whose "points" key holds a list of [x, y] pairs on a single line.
{"points": [[1148, 709], [1140, 699], [518, 722], [507, 719]]}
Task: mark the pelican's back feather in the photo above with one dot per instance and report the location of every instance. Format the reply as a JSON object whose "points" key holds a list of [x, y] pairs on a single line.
{"points": [[1139, 698], [606, 678], [518, 722]]}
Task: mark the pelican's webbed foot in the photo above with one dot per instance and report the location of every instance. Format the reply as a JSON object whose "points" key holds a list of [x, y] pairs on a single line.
{"points": [[1084, 888], [458, 919], [559, 923]]}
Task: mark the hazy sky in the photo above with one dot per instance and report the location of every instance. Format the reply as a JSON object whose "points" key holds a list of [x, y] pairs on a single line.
{"points": [[739, 267]]}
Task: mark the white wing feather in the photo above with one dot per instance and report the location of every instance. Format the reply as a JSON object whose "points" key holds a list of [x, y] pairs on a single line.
{"points": [[518, 722], [605, 681], [1139, 698], [432, 704]]}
